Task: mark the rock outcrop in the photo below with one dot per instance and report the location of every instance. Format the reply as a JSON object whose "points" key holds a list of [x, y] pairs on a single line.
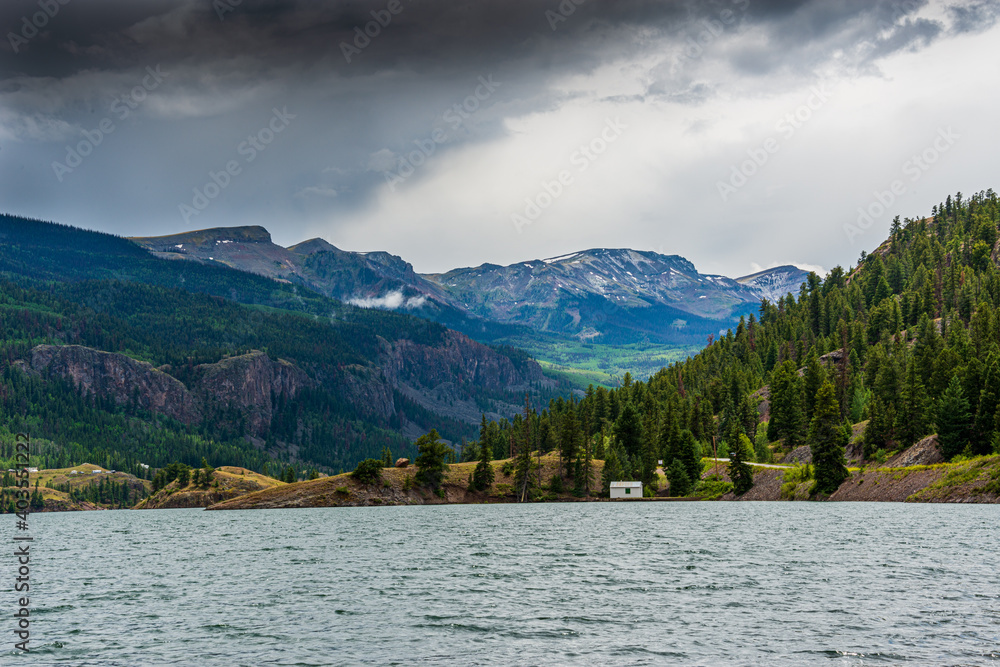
{"points": [[923, 453], [458, 360], [252, 381], [443, 378], [118, 377]]}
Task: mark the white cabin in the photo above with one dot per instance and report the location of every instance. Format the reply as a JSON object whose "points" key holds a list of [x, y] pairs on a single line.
{"points": [[626, 489]]}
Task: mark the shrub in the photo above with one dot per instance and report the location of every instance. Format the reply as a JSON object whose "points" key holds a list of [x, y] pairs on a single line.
{"points": [[343, 490], [800, 472], [712, 488], [507, 468], [556, 483], [368, 471]]}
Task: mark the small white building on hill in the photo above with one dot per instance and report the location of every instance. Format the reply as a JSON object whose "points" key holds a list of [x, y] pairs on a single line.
{"points": [[626, 489]]}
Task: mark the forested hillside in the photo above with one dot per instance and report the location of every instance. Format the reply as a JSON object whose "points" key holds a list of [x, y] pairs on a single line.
{"points": [[903, 345], [114, 357]]}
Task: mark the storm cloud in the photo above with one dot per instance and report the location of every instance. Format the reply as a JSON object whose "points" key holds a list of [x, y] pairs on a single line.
{"points": [[454, 133]]}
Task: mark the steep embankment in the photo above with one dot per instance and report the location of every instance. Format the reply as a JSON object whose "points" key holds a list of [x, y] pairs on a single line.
{"points": [[227, 482], [974, 481]]}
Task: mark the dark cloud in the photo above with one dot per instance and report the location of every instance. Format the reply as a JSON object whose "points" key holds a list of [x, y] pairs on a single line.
{"points": [[975, 16], [228, 70]]}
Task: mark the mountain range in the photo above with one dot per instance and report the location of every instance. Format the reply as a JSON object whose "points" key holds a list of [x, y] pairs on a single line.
{"points": [[221, 343], [615, 297], [177, 360]]}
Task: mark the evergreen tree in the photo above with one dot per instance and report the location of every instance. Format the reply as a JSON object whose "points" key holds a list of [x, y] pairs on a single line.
{"points": [[36, 502], [431, 456], [588, 469], [207, 472], [647, 464], [522, 472], [612, 472], [689, 455], [483, 476], [748, 416], [879, 431], [740, 449], [579, 477], [556, 482], [599, 448], [677, 477], [628, 430], [986, 411], [786, 406], [953, 419], [569, 439], [827, 441], [913, 417], [814, 378]]}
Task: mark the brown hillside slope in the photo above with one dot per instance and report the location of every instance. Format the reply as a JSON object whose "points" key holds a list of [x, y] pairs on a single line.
{"points": [[228, 482], [398, 488]]}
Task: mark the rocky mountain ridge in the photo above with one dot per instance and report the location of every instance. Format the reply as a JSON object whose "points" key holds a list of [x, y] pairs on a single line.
{"points": [[621, 294]]}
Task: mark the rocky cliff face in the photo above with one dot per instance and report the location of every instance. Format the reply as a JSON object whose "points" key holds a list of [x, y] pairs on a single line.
{"points": [[367, 390], [252, 381], [444, 378], [118, 377], [459, 360]]}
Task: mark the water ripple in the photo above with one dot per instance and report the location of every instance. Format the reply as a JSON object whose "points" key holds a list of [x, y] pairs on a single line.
{"points": [[561, 584]]}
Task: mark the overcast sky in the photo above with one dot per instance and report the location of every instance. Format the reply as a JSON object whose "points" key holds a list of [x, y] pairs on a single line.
{"points": [[738, 133]]}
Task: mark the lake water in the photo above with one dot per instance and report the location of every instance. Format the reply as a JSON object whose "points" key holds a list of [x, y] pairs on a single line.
{"points": [[557, 584]]}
